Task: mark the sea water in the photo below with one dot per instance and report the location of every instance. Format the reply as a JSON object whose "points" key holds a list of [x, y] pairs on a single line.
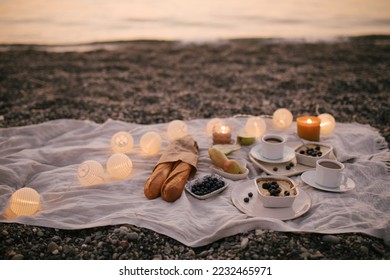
{"points": [[83, 21]]}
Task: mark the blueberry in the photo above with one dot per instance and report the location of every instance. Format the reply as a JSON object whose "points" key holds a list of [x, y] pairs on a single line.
{"points": [[288, 167], [266, 186], [275, 169], [302, 152], [286, 193], [291, 164], [246, 199], [250, 194]]}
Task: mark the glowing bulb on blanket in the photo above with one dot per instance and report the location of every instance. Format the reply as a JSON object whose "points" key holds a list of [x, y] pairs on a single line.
{"points": [[211, 124], [151, 143], [327, 124], [90, 172], [255, 126], [282, 118], [119, 166], [122, 142], [176, 129], [25, 202]]}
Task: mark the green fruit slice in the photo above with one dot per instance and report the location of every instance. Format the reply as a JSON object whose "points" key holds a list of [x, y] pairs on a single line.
{"points": [[227, 148], [245, 140]]}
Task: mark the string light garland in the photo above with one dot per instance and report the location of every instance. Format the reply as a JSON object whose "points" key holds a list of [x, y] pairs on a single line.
{"points": [[176, 129], [255, 126], [90, 172], [151, 143], [25, 202], [282, 118], [122, 142], [119, 166]]}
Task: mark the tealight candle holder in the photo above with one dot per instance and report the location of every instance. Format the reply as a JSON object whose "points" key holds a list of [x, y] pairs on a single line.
{"points": [[308, 127], [222, 134], [211, 124], [327, 125]]}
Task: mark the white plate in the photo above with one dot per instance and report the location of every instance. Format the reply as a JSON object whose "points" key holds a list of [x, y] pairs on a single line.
{"points": [[309, 178], [189, 184], [230, 176], [255, 208], [288, 154]]}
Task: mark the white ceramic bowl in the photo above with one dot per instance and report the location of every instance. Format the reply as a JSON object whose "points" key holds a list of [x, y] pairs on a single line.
{"points": [[309, 160], [281, 200]]}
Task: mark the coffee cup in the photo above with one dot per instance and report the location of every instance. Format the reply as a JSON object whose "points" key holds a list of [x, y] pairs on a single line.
{"points": [[330, 173], [272, 146]]}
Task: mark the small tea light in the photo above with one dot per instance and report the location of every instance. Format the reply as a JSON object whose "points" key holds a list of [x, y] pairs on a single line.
{"points": [[282, 118], [327, 124], [255, 126], [222, 134], [90, 172], [119, 166], [211, 124], [25, 202], [176, 129], [308, 127], [151, 143], [122, 142]]}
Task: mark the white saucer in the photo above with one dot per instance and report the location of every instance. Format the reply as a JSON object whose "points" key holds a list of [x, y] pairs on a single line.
{"points": [[255, 208], [309, 178], [288, 154]]}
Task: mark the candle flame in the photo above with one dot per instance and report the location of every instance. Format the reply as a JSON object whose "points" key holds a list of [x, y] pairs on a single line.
{"points": [[309, 121]]}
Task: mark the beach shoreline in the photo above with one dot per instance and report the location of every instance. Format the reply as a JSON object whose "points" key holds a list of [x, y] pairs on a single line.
{"points": [[150, 82]]}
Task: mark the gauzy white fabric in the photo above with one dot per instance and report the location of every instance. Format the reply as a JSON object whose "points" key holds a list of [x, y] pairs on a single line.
{"points": [[46, 157]]}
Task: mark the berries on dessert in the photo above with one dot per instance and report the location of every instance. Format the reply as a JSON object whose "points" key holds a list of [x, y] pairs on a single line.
{"points": [[313, 152], [288, 167]]}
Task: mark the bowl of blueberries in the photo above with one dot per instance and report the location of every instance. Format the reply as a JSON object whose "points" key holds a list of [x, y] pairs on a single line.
{"points": [[308, 154], [276, 191], [206, 186]]}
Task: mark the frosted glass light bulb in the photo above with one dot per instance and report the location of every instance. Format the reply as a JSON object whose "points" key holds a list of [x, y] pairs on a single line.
{"points": [[119, 166], [211, 124], [255, 126], [151, 143], [25, 202], [327, 125], [282, 118], [90, 172], [176, 129], [122, 142]]}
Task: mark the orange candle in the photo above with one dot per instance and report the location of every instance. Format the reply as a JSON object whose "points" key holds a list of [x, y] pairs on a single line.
{"points": [[222, 134], [308, 128]]}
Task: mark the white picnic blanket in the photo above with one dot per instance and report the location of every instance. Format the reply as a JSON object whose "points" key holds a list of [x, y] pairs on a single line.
{"points": [[46, 157]]}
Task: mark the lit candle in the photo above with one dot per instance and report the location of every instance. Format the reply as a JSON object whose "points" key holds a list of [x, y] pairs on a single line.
{"points": [[222, 134], [327, 124], [308, 128], [211, 124]]}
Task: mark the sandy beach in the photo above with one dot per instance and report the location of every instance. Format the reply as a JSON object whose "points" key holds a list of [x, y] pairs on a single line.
{"points": [[149, 82]]}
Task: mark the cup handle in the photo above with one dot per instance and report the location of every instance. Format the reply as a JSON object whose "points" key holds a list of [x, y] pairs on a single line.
{"points": [[344, 179]]}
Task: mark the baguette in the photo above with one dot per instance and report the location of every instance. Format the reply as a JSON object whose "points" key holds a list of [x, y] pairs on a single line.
{"points": [[153, 184], [174, 184]]}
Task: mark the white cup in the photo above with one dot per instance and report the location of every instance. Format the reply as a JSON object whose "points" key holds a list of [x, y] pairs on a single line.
{"points": [[272, 146], [330, 173]]}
